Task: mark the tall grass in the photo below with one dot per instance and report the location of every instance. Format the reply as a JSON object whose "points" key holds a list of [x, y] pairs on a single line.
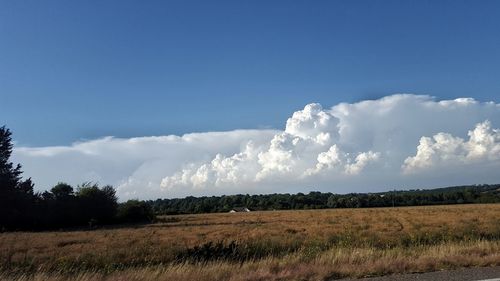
{"points": [[284, 245]]}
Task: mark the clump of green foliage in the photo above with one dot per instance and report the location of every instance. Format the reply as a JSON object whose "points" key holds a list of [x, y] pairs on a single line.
{"points": [[62, 206], [135, 211]]}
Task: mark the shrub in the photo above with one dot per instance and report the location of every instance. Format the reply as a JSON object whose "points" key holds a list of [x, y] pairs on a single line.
{"points": [[135, 211]]}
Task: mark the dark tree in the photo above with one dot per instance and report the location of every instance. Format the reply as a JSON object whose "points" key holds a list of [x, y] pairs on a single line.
{"points": [[61, 206], [97, 204], [10, 175], [16, 195], [62, 191]]}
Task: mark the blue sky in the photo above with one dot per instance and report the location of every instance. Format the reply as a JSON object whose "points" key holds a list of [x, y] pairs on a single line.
{"points": [[316, 81], [81, 70]]}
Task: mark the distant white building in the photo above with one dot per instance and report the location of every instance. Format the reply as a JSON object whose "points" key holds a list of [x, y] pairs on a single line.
{"points": [[240, 210]]}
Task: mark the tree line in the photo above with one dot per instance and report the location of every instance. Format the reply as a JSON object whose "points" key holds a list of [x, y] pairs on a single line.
{"points": [[63, 206], [89, 204], [318, 200]]}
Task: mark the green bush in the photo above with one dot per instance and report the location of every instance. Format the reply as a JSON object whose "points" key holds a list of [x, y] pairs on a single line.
{"points": [[135, 211]]}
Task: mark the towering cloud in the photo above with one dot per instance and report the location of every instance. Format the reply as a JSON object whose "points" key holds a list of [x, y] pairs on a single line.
{"points": [[399, 140], [444, 149]]}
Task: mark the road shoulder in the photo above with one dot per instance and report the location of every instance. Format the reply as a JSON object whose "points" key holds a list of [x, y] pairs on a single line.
{"points": [[463, 274]]}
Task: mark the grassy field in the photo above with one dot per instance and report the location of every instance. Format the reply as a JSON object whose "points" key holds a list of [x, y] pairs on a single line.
{"points": [[274, 245]]}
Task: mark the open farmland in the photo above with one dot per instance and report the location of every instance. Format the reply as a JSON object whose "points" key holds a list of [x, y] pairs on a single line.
{"points": [[272, 245]]}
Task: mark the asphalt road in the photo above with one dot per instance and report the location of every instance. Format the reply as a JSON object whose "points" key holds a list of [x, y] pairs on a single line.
{"points": [[465, 274]]}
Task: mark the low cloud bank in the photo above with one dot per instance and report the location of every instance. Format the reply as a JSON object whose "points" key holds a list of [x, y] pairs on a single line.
{"points": [[399, 141]]}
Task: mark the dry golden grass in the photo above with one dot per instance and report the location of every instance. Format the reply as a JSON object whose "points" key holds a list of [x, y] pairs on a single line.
{"points": [[295, 245]]}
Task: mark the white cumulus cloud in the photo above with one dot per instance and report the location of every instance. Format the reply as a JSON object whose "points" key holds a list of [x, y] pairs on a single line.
{"points": [[334, 159], [401, 140], [306, 142], [443, 149]]}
